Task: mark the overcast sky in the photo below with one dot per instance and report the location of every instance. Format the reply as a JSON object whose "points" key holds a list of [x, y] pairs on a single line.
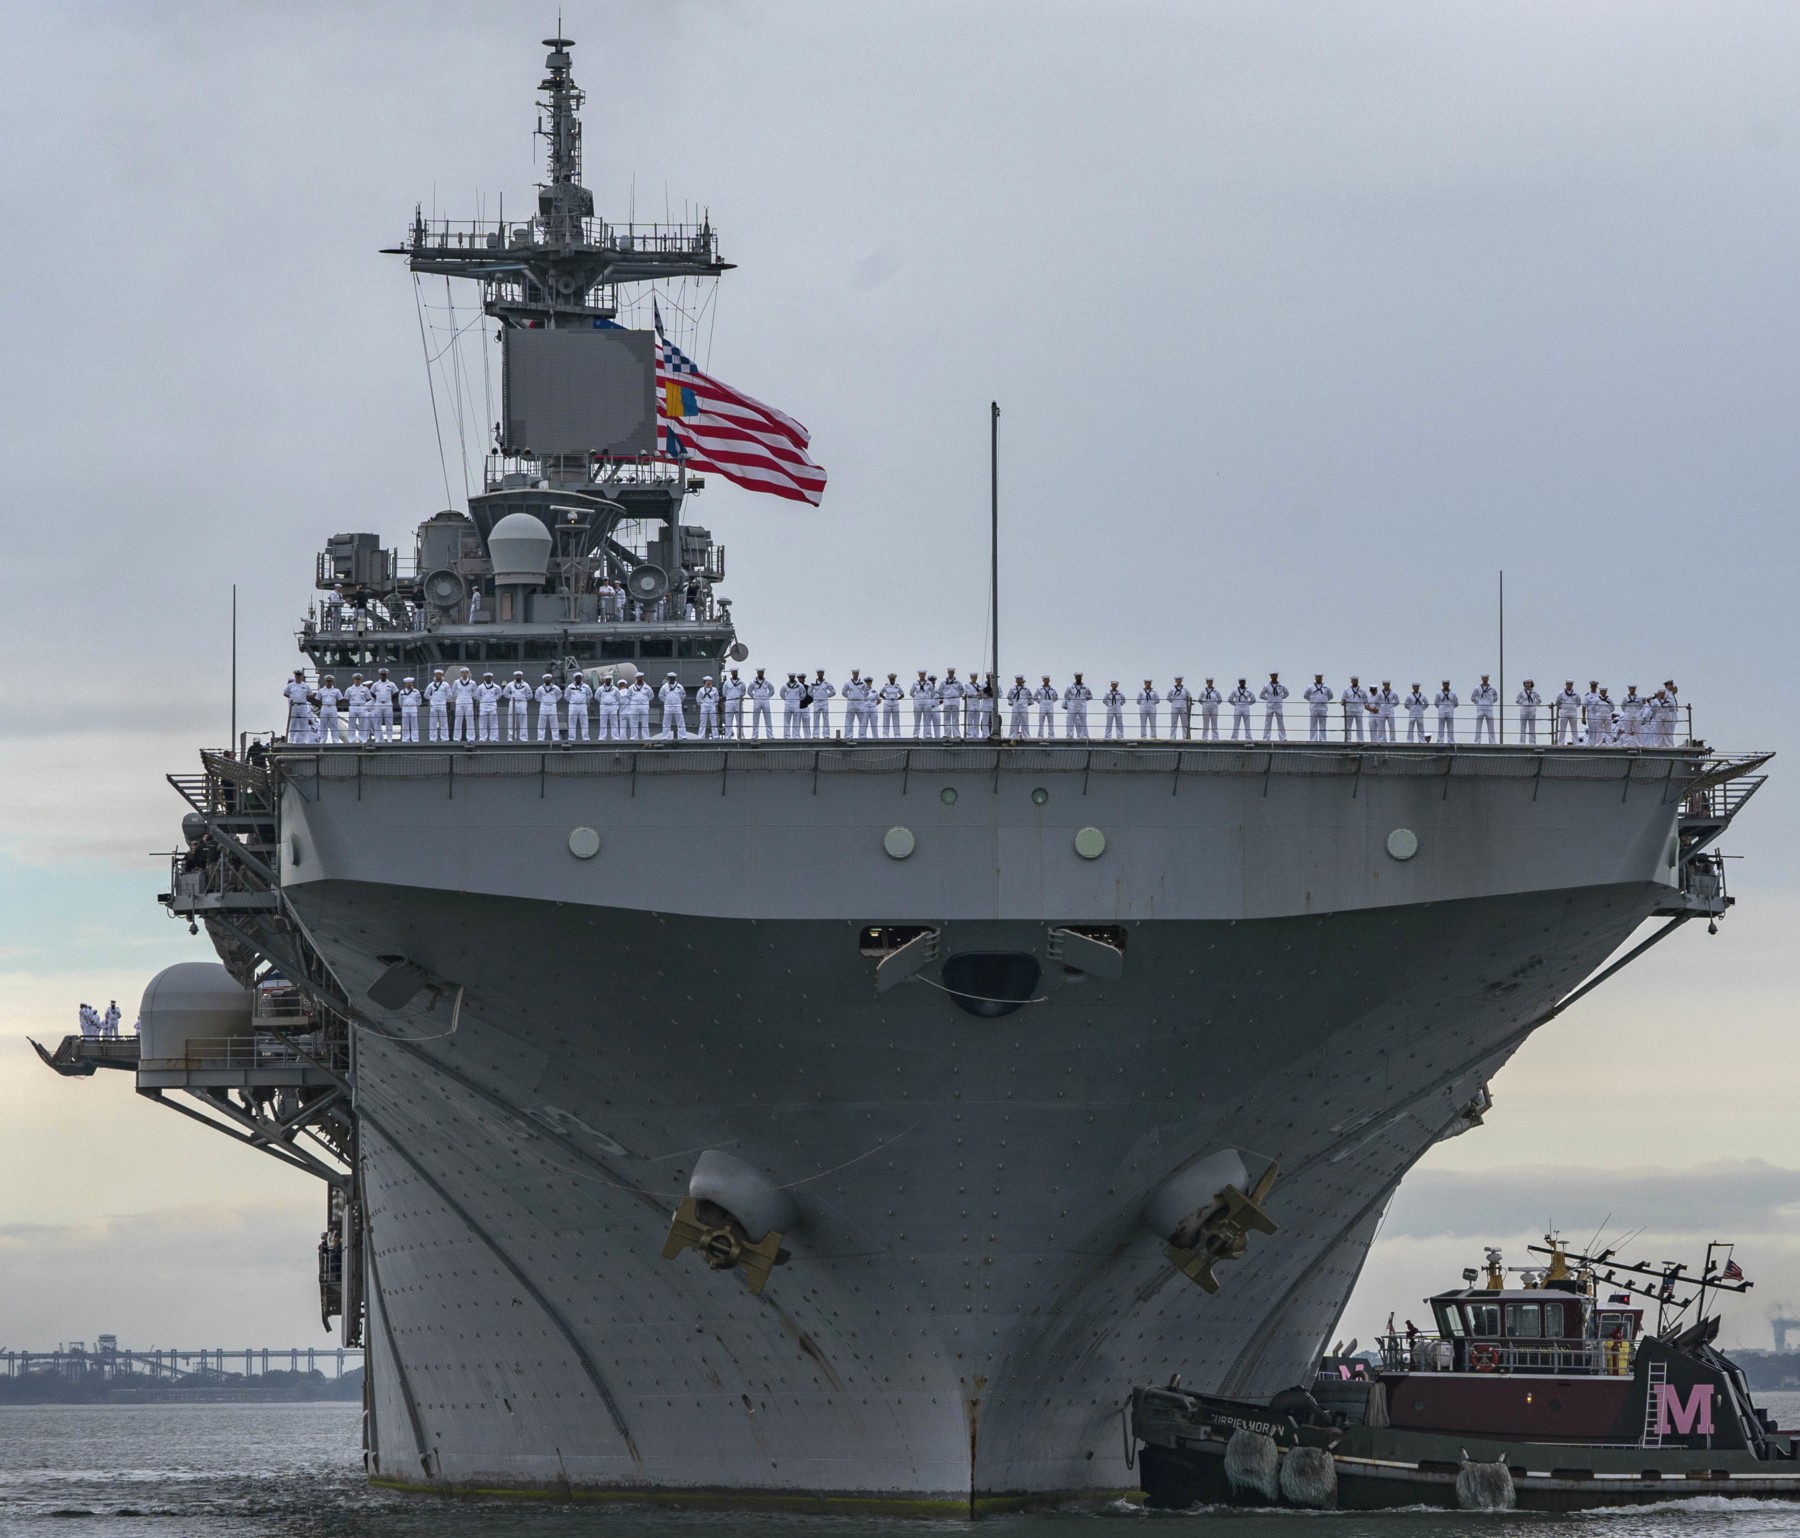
{"points": [[1306, 319]]}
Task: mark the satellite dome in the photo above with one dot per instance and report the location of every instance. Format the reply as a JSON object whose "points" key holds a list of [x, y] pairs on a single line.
{"points": [[191, 1001], [519, 547]]}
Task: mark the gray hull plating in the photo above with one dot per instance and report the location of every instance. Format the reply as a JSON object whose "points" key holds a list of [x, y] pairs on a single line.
{"points": [[970, 1294]]}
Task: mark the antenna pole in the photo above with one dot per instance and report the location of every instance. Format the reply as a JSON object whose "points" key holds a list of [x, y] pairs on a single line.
{"points": [[994, 562], [1502, 711], [234, 736]]}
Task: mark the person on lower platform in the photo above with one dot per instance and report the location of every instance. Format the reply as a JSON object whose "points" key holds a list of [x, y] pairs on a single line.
{"points": [[410, 699], [1047, 700], [1181, 710], [855, 695], [1445, 701], [1485, 699], [1355, 699], [487, 708], [642, 695], [819, 712], [1568, 715], [358, 701], [1209, 700], [890, 695], [761, 691], [1114, 702], [1075, 702], [89, 1022], [731, 694], [517, 695], [549, 710], [1018, 704], [1416, 706], [382, 693], [299, 701], [1528, 700], [1384, 704], [793, 723], [329, 697], [437, 705], [706, 704], [110, 1022], [1147, 701], [1241, 701], [462, 699], [1596, 722], [577, 697], [923, 691], [674, 698], [950, 694], [1273, 696], [1318, 697]]}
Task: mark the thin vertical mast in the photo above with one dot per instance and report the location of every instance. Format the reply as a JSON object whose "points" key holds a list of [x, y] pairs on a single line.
{"points": [[234, 736], [994, 562], [1502, 710]]}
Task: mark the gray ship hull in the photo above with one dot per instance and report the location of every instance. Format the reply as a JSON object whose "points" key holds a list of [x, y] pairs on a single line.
{"points": [[970, 1291]]}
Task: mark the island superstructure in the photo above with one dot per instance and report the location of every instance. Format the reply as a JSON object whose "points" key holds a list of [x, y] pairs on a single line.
{"points": [[834, 1123]]}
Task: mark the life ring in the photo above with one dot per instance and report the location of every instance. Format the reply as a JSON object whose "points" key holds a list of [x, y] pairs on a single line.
{"points": [[1484, 1358]]}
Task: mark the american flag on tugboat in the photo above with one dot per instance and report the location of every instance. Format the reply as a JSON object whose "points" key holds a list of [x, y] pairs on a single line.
{"points": [[1733, 1271], [710, 426]]}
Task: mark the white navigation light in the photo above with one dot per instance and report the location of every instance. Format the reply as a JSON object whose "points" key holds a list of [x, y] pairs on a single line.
{"points": [[519, 547]]}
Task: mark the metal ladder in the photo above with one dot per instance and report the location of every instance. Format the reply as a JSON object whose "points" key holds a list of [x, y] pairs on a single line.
{"points": [[1654, 1378]]}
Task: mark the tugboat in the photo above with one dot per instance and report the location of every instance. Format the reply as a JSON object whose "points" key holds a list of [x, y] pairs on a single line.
{"points": [[1546, 1393]]}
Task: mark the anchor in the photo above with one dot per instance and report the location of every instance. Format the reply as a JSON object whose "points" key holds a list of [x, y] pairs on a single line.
{"points": [[723, 1242], [1225, 1231]]}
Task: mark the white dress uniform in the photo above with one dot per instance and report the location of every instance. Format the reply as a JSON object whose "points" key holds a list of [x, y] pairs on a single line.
{"points": [[606, 712], [1568, 717], [673, 697], [1356, 706], [549, 715], [1416, 705], [641, 696], [1018, 699], [1670, 713], [1528, 701], [1075, 702], [760, 692], [977, 700], [1272, 694], [922, 693], [1147, 701], [820, 710], [577, 696], [1381, 705], [891, 695], [732, 692], [1445, 701], [299, 699], [1181, 704], [706, 701], [1114, 702], [1596, 711], [855, 695], [462, 696], [329, 697], [360, 702], [1241, 699], [409, 713], [381, 716], [487, 709], [1318, 699], [437, 700], [1631, 719], [1484, 699], [950, 693], [791, 723], [1209, 700], [517, 695], [1047, 699]]}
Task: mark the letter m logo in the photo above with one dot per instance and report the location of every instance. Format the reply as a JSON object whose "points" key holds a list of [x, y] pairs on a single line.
{"points": [[1691, 1419]]}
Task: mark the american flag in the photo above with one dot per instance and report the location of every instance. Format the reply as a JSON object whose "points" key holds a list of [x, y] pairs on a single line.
{"points": [[1733, 1271], [711, 426]]}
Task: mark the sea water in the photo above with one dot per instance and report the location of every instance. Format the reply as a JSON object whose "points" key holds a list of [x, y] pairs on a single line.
{"points": [[244, 1471]]}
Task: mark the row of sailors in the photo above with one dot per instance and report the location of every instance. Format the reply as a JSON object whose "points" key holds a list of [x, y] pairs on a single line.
{"points": [[464, 710], [98, 1027]]}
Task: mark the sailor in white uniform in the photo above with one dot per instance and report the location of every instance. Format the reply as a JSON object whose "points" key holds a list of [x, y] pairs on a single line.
{"points": [[475, 608], [979, 696], [1018, 700], [462, 696], [382, 690], [1241, 699], [1567, 706], [950, 693], [820, 709], [577, 696], [1273, 693], [923, 692], [329, 697], [333, 609], [1484, 699], [855, 695], [1114, 701], [706, 702], [299, 699], [1383, 702], [1672, 721], [487, 707], [1209, 700], [1047, 699], [409, 711], [1181, 704], [1416, 705], [437, 701], [359, 702], [891, 694], [549, 713], [606, 712], [110, 1027], [1318, 697], [761, 691], [641, 696], [517, 694], [1446, 702], [674, 696], [732, 692], [1528, 700], [1075, 702], [1631, 718], [1356, 700], [1598, 718], [1147, 701], [793, 724]]}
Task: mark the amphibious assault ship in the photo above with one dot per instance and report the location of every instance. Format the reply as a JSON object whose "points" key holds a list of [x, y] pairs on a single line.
{"points": [[821, 1122]]}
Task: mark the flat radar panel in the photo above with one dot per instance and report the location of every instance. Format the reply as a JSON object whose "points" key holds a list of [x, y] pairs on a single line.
{"points": [[579, 391]]}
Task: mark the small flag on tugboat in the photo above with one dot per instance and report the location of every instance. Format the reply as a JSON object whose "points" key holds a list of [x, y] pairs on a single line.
{"points": [[1668, 1289], [710, 426], [1733, 1271]]}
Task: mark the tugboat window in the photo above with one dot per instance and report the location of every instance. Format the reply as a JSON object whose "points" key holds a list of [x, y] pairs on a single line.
{"points": [[1524, 1321], [1484, 1319], [1553, 1321]]}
